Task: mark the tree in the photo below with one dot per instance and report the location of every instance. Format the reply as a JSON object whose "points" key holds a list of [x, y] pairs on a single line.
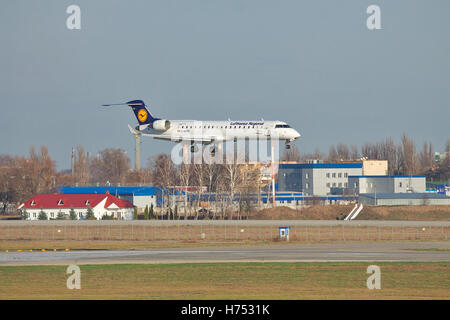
{"points": [[184, 176], [232, 179], [354, 152], [291, 154], [175, 213], [24, 215], [146, 217], [151, 212], [343, 151], [426, 157], [81, 167], [410, 165], [21, 177], [135, 213], [90, 214], [110, 165], [60, 216], [332, 154], [42, 215], [72, 214], [163, 175], [317, 154]]}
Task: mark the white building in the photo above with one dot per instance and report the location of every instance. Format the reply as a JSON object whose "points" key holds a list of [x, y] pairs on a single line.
{"points": [[387, 184], [404, 199], [55, 205]]}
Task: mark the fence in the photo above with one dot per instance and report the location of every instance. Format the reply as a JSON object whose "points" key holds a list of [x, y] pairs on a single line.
{"points": [[220, 231]]}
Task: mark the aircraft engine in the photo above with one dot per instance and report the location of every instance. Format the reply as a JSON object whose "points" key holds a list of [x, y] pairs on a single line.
{"points": [[161, 125]]}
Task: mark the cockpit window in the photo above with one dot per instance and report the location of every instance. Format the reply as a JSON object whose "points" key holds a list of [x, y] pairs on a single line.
{"points": [[282, 126]]}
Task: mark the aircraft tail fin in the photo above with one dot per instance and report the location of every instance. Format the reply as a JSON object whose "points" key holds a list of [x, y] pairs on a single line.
{"points": [[142, 114]]}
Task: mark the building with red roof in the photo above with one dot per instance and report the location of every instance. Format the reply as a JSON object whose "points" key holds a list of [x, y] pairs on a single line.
{"points": [[57, 204]]}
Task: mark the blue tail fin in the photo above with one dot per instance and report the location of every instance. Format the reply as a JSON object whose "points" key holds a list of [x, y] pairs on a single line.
{"points": [[143, 116]]}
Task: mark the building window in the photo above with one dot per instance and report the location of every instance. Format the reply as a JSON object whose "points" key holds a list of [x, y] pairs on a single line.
{"points": [[340, 175], [306, 175], [345, 184], [307, 185], [400, 184], [334, 184], [345, 175], [328, 185], [52, 215], [328, 175], [34, 214], [340, 184], [33, 203], [334, 175]]}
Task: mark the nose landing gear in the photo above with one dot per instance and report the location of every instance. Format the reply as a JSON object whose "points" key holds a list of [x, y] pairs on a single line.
{"points": [[288, 144]]}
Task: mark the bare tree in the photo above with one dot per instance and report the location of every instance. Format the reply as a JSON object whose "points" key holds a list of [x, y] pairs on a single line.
{"points": [[343, 151], [409, 155], [81, 167], [232, 178], [291, 154], [332, 154], [426, 157], [184, 176], [354, 152], [110, 165], [20, 177], [198, 171], [163, 175]]}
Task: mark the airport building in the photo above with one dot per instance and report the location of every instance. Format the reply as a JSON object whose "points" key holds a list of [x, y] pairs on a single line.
{"points": [[387, 184], [374, 168], [403, 199], [139, 196], [60, 205], [316, 179]]}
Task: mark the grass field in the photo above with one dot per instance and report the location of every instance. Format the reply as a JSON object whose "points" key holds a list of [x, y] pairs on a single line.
{"points": [[229, 281]]}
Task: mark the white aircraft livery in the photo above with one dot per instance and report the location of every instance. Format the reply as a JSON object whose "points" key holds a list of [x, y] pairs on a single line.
{"points": [[206, 132]]}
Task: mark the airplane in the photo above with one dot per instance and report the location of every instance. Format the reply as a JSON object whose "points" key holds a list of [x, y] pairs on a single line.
{"points": [[206, 132]]}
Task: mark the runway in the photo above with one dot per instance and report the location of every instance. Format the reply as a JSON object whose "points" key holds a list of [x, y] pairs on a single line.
{"points": [[375, 251]]}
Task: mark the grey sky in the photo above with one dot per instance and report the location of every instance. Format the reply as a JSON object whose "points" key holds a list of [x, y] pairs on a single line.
{"points": [[311, 63]]}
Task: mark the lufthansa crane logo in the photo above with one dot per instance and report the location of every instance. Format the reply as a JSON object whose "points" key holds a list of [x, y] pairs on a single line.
{"points": [[142, 115]]}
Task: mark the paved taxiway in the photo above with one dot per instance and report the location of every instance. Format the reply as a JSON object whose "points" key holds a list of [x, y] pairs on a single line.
{"points": [[374, 251]]}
